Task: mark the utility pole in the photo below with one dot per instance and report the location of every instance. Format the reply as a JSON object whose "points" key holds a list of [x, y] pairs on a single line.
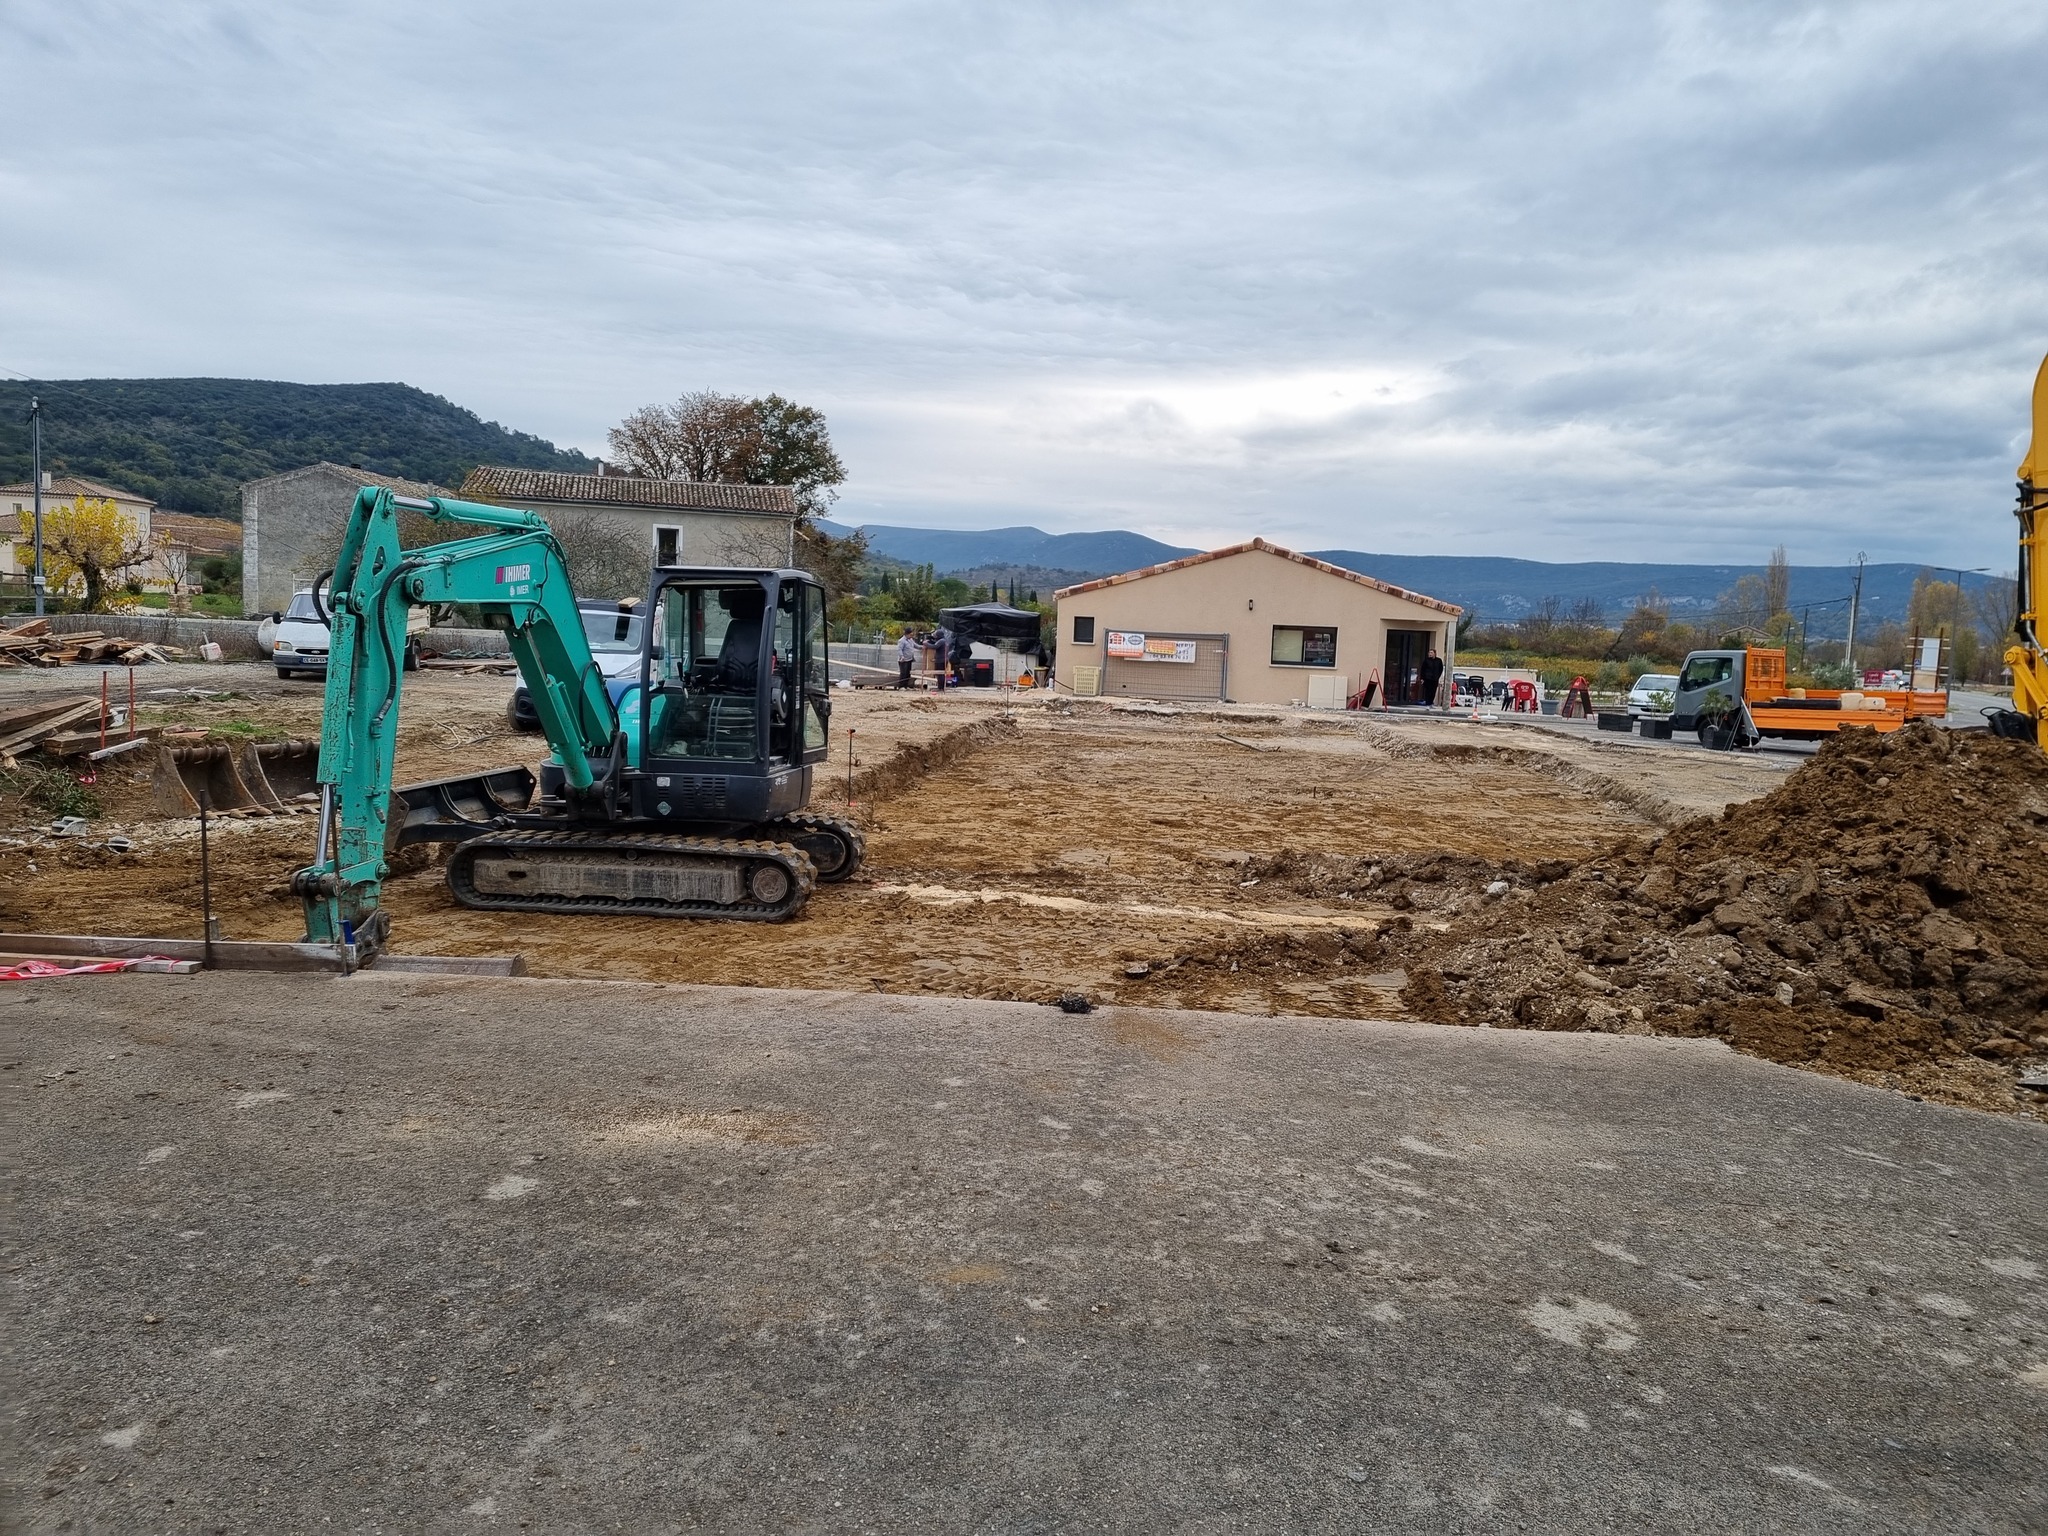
{"points": [[35, 437], [1855, 603], [1955, 627]]}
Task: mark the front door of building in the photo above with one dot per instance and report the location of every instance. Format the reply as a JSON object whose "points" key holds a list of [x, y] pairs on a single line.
{"points": [[1406, 651]]}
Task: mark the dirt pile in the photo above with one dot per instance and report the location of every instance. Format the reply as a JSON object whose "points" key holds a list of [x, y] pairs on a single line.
{"points": [[1878, 915]]}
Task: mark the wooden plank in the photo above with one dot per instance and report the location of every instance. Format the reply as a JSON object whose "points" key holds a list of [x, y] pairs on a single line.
{"points": [[449, 965], [24, 715], [21, 740], [247, 955], [72, 743]]}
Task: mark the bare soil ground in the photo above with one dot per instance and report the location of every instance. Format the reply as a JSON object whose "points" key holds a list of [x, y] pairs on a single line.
{"points": [[1025, 848]]}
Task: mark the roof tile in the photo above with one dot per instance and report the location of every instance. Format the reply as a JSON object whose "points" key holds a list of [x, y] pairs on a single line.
{"points": [[517, 485], [1272, 549]]}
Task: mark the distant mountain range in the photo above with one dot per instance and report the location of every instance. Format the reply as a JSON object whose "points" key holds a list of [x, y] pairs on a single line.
{"points": [[1496, 588], [188, 444]]}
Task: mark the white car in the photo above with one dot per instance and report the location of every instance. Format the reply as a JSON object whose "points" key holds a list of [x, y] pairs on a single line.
{"points": [[1640, 700], [613, 630], [301, 640]]}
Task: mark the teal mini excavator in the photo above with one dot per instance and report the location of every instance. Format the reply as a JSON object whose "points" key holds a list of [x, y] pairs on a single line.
{"points": [[676, 793]]}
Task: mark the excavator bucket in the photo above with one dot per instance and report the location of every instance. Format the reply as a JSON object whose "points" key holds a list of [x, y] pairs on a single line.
{"points": [[183, 774], [281, 774]]}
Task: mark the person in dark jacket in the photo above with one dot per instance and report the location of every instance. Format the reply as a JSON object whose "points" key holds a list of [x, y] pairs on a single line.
{"points": [[1432, 677]]}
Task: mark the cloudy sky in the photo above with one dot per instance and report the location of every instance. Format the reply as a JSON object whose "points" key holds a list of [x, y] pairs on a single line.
{"points": [[1568, 281]]}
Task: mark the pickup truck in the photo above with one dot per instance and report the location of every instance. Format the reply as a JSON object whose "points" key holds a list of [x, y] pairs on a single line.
{"points": [[1736, 698]]}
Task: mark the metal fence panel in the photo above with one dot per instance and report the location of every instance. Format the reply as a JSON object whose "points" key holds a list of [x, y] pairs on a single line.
{"points": [[1202, 680]]}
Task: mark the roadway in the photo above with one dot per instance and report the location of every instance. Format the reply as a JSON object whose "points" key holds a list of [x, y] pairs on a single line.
{"points": [[433, 1254]]}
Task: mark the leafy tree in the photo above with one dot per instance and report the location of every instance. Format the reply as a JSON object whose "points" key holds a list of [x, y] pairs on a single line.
{"points": [[914, 596], [87, 541], [795, 449]]}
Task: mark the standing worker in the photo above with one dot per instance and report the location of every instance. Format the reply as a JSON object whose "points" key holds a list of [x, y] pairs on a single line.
{"points": [[942, 649], [906, 657], [1432, 676]]}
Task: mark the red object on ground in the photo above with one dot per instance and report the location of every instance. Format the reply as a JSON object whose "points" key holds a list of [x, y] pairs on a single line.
{"points": [[36, 970]]}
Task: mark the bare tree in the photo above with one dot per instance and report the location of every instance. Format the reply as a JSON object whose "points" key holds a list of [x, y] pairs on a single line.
{"points": [[704, 436], [1778, 582], [607, 556]]}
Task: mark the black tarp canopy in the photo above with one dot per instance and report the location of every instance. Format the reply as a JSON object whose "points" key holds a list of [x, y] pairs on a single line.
{"points": [[996, 624]]}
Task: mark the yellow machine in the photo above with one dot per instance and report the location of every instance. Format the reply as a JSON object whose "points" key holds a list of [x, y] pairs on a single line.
{"points": [[2028, 661]]}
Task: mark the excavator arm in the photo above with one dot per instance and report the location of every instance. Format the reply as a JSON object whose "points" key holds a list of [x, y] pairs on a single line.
{"points": [[516, 574], [2028, 659]]}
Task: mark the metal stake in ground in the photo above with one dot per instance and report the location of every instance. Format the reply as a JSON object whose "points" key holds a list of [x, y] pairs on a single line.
{"points": [[205, 882], [849, 767]]}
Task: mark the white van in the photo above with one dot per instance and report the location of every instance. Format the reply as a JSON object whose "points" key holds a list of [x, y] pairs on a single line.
{"points": [[302, 640]]}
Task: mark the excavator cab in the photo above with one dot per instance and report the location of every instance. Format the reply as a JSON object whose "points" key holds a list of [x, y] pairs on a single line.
{"points": [[734, 702]]}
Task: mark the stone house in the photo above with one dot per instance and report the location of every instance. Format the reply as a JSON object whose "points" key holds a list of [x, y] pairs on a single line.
{"points": [[680, 522], [292, 526]]}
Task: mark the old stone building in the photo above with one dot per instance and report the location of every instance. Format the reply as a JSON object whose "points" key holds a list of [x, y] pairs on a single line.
{"points": [[680, 522], [292, 526]]}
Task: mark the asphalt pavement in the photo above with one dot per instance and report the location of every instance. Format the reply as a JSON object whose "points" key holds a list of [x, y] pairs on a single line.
{"points": [[437, 1254]]}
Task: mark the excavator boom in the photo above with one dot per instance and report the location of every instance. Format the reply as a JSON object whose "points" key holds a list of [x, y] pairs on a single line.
{"points": [[2028, 659]]}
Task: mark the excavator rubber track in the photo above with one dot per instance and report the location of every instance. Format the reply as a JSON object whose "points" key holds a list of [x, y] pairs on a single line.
{"points": [[835, 845], [631, 874]]}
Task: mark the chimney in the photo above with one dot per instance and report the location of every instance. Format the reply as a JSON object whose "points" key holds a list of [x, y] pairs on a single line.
{"points": [[46, 479], [602, 471]]}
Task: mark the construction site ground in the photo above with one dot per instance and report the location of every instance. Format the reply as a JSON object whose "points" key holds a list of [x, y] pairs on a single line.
{"points": [[426, 1254], [1027, 847]]}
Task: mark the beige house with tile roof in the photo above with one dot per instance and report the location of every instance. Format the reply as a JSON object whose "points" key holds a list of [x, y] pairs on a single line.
{"points": [[17, 511], [1253, 624]]}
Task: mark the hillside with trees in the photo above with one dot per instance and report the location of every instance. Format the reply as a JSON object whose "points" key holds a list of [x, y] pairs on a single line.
{"points": [[188, 444]]}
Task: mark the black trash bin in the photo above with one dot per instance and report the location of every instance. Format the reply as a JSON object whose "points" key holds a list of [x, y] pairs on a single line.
{"points": [[981, 672]]}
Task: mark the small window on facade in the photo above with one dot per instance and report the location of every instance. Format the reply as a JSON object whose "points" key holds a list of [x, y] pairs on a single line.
{"points": [[1296, 645], [667, 543], [1084, 631]]}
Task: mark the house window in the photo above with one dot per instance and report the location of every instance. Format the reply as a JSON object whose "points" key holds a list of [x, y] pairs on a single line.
{"points": [[1084, 631], [1296, 645], [667, 545]]}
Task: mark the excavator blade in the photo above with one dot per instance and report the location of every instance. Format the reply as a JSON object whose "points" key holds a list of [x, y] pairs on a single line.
{"points": [[455, 810], [184, 774]]}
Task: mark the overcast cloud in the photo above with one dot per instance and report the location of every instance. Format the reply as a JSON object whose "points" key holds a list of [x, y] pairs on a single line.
{"points": [[1570, 281]]}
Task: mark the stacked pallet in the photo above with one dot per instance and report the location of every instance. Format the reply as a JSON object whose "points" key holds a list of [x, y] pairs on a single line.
{"points": [[67, 727], [33, 645]]}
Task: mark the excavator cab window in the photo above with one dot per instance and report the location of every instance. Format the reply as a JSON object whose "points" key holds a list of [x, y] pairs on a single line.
{"points": [[707, 677], [817, 674], [801, 702]]}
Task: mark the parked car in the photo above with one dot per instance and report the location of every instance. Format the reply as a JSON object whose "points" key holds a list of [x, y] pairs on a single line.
{"points": [[1641, 695], [300, 639], [613, 630]]}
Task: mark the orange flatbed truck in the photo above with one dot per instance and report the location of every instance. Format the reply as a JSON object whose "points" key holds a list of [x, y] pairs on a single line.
{"points": [[1732, 698]]}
